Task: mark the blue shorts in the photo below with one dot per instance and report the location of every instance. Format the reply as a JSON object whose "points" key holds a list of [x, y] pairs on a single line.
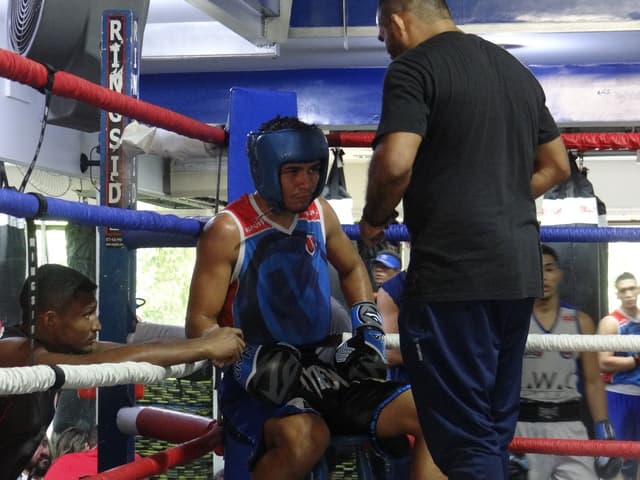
{"points": [[624, 415], [464, 360], [398, 374], [352, 410]]}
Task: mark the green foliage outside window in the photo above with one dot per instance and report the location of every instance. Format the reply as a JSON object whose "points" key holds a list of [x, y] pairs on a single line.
{"points": [[163, 277]]}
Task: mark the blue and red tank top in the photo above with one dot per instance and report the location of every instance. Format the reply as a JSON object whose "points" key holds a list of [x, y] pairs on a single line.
{"points": [[279, 287]]}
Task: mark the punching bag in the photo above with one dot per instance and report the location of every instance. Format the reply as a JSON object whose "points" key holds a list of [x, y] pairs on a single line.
{"points": [[335, 190], [13, 268], [585, 265], [13, 262], [81, 248]]}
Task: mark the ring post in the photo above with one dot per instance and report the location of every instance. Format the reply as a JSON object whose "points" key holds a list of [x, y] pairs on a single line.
{"points": [[120, 54]]}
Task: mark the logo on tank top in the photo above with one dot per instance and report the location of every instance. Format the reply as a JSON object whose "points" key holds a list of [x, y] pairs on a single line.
{"points": [[256, 224], [310, 244]]}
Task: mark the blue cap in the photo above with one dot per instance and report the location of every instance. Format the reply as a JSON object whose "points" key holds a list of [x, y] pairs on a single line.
{"points": [[389, 260]]}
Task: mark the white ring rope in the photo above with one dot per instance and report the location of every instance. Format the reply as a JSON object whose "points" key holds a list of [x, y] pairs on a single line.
{"points": [[22, 380], [539, 342], [582, 343]]}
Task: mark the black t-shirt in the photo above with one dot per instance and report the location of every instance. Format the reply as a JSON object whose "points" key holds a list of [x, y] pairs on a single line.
{"points": [[24, 420], [469, 208]]}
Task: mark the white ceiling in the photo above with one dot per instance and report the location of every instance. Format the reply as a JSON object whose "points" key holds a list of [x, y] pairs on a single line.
{"points": [[203, 44]]}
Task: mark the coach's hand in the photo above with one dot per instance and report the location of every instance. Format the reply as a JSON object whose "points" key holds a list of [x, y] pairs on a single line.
{"points": [[369, 234]]}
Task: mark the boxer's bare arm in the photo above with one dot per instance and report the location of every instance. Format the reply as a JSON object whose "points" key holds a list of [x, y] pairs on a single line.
{"points": [[217, 252], [354, 279], [221, 346]]}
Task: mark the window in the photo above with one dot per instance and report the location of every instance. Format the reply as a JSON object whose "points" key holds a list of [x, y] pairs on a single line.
{"points": [[163, 279], [623, 257], [52, 242]]}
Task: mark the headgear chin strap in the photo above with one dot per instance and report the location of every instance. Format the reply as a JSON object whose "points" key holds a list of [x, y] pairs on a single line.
{"points": [[268, 151]]}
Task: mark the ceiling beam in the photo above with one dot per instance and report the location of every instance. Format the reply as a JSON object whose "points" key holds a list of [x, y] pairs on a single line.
{"points": [[258, 21]]}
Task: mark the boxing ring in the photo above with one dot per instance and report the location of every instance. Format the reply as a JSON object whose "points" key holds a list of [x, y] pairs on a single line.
{"points": [[141, 229]]}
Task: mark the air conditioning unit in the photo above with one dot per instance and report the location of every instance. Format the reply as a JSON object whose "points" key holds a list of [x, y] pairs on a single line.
{"points": [[198, 178], [65, 34], [182, 182]]}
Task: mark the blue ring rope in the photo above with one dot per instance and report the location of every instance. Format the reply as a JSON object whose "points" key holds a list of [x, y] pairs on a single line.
{"points": [[141, 228]]}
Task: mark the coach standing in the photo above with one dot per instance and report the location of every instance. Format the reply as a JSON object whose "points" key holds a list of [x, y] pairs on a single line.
{"points": [[466, 140]]}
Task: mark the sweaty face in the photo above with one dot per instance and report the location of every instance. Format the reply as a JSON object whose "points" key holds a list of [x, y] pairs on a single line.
{"points": [[551, 276], [76, 328], [298, 182], [627, 291]]}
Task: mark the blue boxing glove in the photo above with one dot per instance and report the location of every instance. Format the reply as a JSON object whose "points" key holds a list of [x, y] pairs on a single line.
{"points": [[518, 467], [606, 467], [363, 355]]}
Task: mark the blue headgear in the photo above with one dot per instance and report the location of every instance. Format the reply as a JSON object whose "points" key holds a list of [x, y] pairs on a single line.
{"points": [[269, 150]]}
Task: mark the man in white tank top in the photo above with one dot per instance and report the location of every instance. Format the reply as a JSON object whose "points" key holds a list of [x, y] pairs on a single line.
{"points": [[553, 384]]}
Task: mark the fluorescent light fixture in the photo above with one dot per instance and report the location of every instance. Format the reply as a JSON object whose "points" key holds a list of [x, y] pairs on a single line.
{"points": [[210, 39], [519, 40]]}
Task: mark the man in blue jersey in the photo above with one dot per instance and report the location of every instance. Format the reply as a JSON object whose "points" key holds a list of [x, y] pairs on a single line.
{"points": [[621, 370], [262, 266]]}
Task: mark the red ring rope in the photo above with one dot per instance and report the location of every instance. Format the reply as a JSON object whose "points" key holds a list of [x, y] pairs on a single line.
{"points": [[573, 141], [162, 461], [34, 74], [588, 448], [174, 426]]}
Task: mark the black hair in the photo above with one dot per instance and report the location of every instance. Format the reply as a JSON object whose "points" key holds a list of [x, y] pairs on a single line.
{"points": [[624, 276], [423, 9], [75, 439], [547, 250], [57, 286], [284, 123]]}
